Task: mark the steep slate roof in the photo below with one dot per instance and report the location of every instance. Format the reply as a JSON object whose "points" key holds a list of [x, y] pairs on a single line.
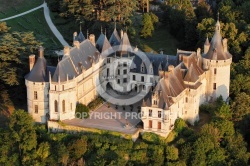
{"points": [[156, 60], [79, 59], [115, 39], [100, 41], [81, 37], [125, 44], [38, 72], [192, 75], [216, 51]]}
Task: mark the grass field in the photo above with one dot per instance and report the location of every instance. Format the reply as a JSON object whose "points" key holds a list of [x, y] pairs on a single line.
{"points": [[36, 23], [161, 39], [12, 7]]}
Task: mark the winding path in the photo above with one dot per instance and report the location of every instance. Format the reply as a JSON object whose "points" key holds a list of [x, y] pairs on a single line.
{"points": [[47, 18]]}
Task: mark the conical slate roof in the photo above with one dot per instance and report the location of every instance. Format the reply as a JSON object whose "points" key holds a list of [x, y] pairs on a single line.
{"points": [[99, 42], [38, 72], [216, 47], [207, 42], [106, 44], [125, 44], [81, 37], [114, 40]]}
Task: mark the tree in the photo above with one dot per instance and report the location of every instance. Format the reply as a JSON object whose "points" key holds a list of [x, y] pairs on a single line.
{"points": [[148, 22], [83, 110], [3, 27], [14, 51], [171, 153], [23, 135], [224, 111], [179, 125], [241, 106], [77, 148]]}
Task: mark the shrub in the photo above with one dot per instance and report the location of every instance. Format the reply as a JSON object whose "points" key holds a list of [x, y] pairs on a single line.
{"points": [[95, 103], [179, 125], [83, 110]]}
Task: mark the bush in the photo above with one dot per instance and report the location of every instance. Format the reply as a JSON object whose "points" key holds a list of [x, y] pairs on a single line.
{"points": [[95, 103], [151, 138], [179, 125], [83, 110]]}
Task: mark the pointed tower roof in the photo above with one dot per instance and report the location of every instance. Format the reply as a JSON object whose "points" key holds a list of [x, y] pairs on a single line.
{"points": [[38, 72], [99, 42], [106, 44], [207, 41], [192, 75], [81, 37], [216, 44], [125, 44], [115, 38]]}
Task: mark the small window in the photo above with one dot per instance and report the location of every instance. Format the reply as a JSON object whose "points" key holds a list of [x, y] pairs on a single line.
{"points": [[36, 109], [118, 81], [150, 113], [55, 106], [134, 77], [215, 71], [186, 99], [118, 72], [124, 80], [63, 106], [142, 113], [142, 69], [214, 86], [35, 95], [159, 114], [124, 71], [55, 87], [155, 102], [63, 87], [108, 60], [125, 64], [142, 79], [150, 124], [159, 125]]}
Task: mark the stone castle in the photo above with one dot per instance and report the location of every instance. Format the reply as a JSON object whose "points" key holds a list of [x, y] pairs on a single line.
{"points": [[175, 85]]}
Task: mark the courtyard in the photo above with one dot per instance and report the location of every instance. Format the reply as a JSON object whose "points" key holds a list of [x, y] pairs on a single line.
{"points": [[122, 119]]}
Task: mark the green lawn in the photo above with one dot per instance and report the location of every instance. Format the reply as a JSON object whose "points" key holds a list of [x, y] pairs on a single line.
{"points": [[36, 23], [161, 39], [12, 7]]}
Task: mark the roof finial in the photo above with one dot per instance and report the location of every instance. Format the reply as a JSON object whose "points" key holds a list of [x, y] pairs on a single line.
{"points": [[105, 32], [87, 33], [80, 26], [115, 22], [126, 29], [218, 16], [167, 59], [101, 28]]}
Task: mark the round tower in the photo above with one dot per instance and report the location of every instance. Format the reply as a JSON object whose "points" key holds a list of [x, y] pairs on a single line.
{"points": [[37, 85], [216, 63]]}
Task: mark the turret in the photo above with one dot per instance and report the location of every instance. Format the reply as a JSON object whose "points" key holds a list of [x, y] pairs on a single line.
{"points": [[206, 46]]}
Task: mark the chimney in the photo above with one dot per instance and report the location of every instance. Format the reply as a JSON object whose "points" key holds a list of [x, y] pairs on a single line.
{"points": [[198, 52], [224, 41], [121, 33], [66, 50], [92, 39], [32, 59], [41, 52], [74, 36], [77, 44], [170, 67]]}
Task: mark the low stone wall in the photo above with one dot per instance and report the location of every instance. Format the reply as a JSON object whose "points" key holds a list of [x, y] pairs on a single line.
{"points": [[54, 126]]}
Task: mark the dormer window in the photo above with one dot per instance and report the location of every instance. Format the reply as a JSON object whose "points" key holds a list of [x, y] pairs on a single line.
{"points": [[142, 69], [108, 60], [150, 113], [155, 102]]}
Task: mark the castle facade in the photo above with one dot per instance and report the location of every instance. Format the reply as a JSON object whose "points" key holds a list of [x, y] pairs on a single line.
{"points": [[174, 86]]}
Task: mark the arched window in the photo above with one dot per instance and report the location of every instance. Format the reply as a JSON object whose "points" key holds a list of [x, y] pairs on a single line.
{"points": [[63, 106], [56, 106]]}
